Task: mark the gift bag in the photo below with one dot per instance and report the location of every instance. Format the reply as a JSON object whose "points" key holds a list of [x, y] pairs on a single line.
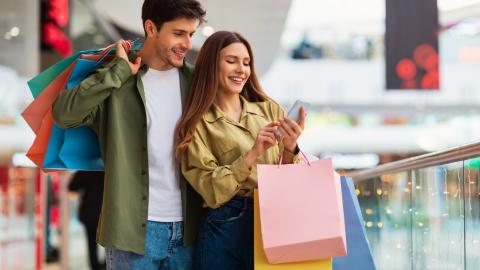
{"points": [[359, 253], [301, 211], [261, 262]]}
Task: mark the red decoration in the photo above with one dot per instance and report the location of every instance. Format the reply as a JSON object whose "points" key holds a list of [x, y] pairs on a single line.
{"points": [[58, 12], [411, 84], [426, 57], [406, 69], [430, 80], [55, 38]]}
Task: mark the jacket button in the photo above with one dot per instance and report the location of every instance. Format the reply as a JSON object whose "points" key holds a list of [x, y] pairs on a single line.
{"points": [[144, 172], [144, 198], [143, 225]]}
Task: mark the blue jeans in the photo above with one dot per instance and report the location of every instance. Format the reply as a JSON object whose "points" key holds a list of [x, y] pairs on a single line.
{"points": [[225, 239], [163, 250]]}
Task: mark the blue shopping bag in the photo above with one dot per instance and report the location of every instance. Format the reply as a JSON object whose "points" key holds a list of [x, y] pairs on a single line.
{"points": [[73, 149], [81, 70], [76, 148], [359, 254]]}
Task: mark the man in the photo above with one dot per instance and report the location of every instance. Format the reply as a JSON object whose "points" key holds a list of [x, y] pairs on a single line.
{"points": [[133, 104]]}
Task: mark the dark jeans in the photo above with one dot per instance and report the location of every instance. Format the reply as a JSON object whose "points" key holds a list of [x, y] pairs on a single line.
{"points": [[226, 237]]}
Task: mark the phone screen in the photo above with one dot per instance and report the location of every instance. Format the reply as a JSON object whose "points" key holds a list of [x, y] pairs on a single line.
{"points": [[294, 111]]}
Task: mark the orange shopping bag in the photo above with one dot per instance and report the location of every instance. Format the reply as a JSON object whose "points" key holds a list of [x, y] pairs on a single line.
{"points": [[36, 111], [37, 151]]}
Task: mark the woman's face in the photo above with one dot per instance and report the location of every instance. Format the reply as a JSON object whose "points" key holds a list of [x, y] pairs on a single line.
{"points": [[234, 68]]}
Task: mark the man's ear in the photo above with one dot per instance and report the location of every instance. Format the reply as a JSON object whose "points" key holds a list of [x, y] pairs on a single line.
{"points": [[150, 28]]}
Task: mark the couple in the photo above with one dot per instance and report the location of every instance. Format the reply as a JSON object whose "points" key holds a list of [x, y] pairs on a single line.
{"points": [[152, 112]]}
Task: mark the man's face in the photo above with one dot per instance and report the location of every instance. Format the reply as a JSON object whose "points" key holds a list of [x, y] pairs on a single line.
{"points": [[173, 41]]}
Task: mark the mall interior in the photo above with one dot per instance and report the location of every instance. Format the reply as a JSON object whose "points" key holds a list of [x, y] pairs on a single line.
{"points": [[393, 94]]}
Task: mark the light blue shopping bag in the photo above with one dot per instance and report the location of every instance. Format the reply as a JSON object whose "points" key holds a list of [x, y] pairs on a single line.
{"points": [[359, 254]]}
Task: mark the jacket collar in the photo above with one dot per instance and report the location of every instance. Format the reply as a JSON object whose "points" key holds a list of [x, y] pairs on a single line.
{"points": [[216, 113]]}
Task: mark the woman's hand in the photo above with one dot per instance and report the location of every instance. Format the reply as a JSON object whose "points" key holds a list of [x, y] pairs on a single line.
{"points": [[123, 47], [265, 139], [291, 130]]}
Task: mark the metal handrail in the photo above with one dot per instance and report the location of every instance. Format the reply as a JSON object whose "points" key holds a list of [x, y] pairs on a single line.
{"points": [[431, 159]]}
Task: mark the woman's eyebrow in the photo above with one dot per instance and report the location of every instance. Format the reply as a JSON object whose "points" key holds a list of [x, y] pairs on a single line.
{"points": [[235, 56]]}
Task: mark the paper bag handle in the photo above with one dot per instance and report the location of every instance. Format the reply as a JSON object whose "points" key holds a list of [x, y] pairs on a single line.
{"points": [[110, 48], [304, 157]]}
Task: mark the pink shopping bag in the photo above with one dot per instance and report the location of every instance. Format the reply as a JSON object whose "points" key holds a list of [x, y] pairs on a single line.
{"points": [[301, 211]]}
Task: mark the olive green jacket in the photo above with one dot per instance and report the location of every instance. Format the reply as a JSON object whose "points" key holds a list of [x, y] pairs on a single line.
{"points": [[112, 102]]}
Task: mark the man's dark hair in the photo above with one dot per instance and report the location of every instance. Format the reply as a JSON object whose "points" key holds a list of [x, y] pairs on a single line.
{"points": [[161, 11]]}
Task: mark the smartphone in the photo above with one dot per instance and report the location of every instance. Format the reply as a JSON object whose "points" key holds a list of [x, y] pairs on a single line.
{"points": [[294, 111]]}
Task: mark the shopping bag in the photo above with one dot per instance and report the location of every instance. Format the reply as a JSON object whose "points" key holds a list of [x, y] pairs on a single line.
{"points": [[42, 80], [359, 252], [86, 63], [56, 148], [81, 70], [37, 150], [301, 211], [73, 74], [75, 148], [36, 110], [261, 262]]}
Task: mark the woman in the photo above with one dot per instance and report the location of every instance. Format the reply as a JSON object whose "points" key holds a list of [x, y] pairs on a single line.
{"points": [[228, 126]]}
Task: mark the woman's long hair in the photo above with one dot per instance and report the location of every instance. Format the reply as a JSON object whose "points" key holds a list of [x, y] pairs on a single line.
{"points": [[204, 87]]}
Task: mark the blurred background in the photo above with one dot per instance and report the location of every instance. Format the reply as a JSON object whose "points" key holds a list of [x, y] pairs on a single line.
{"points": [[386, 80]]}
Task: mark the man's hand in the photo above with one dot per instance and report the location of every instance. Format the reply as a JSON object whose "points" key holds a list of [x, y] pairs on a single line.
{"points": [[123, 47]]}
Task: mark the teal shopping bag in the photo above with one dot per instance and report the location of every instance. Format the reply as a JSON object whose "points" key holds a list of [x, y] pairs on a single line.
{"points": [[42, 80], [359, 254]]}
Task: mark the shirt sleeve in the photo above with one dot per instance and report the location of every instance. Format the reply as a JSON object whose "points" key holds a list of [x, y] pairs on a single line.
{"points": [[78, 106], [216, 183], [289, 157]]}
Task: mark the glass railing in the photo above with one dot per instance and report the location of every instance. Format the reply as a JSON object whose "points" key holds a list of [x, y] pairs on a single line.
{"points": [[424, 212]]}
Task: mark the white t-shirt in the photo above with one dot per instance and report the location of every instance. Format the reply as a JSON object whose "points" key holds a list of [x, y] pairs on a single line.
{"points": [[164, 109]]}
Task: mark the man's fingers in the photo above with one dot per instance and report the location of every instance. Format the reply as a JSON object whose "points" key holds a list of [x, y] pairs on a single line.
{"points": [[126, 45], [138, 61], [121, 51]]}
